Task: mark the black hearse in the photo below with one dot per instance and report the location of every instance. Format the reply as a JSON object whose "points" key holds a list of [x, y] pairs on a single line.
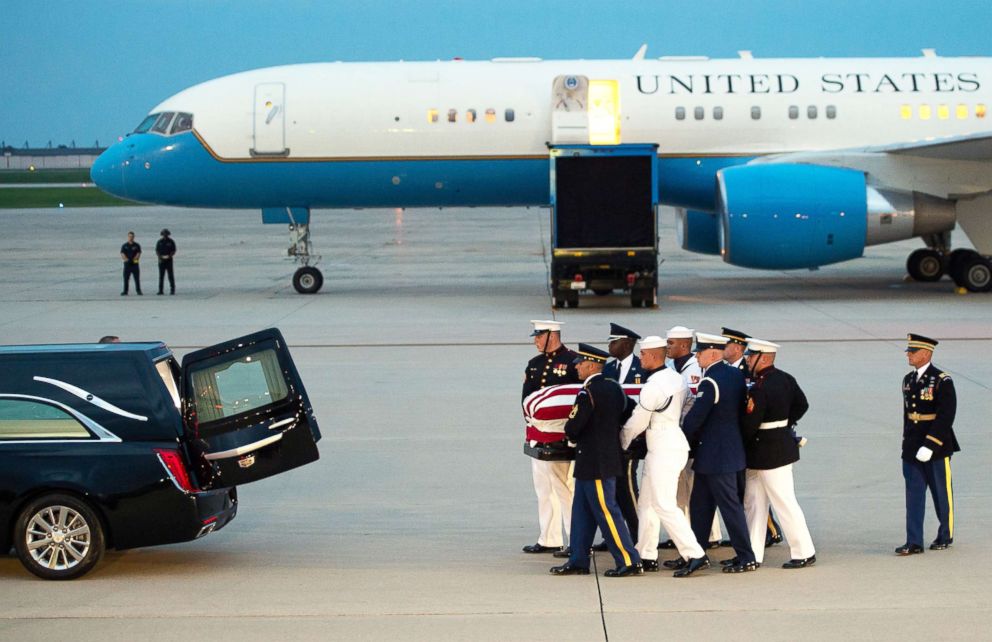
{"points": [[119, 446]]}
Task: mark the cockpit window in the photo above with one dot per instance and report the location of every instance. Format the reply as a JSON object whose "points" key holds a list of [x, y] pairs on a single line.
{"points": [[184, 123], [146, 124], [162, 124]]}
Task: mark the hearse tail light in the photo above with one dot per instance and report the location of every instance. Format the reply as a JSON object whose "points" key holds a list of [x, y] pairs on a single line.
{"points": [[631, 279], [172, 461]]}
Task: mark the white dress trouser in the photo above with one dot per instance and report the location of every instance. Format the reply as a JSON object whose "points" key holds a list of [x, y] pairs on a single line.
{"points": [[685, 491], [554, 486], [657, 506], [775, 487]]}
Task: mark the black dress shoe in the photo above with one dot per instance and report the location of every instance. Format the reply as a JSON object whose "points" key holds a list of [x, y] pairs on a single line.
{"points": [[726, 543], [940, 546], [568, 569], [714, 544], [730, 562], [563, 553], [746, 567], [695, 564], [675, 564], [160, 293], [625, 571], [540, 548], [667, 544], [909, 549], [123, 293], [650, 566], [772, 540], [803, 563], [601, 547]]}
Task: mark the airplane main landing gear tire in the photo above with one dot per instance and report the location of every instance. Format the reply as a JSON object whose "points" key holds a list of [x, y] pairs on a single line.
{"points": [[308, 280], [925, 265], [974, 273]]}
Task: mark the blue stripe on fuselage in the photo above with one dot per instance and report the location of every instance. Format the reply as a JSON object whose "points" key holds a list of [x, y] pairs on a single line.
{"points": [[181, 171]]}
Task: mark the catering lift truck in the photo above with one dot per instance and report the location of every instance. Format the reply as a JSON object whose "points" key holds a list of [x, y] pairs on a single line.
{"points": [[604, 223]]}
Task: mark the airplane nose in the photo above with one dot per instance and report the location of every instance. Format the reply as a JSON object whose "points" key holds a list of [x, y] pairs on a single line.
{"points": [[107, 171]]}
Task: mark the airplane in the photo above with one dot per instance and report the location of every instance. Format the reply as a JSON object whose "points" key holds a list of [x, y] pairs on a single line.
{"points": [[771, 163]]}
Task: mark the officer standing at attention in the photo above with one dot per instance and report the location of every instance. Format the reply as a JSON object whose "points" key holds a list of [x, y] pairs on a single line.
{"points": [[165, 249], [775, 403], [624, 367], [593, 426], [131, 255], [928, 441], [712, 427], [733, 354], [553, 482], [657, 415]]}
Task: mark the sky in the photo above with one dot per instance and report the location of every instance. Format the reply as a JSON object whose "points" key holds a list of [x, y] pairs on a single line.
{"points": [[89, 70]]}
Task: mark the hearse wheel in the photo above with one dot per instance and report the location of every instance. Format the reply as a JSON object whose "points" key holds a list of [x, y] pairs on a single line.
{"points": [[925, 265], [308, 280], [58, 537]]}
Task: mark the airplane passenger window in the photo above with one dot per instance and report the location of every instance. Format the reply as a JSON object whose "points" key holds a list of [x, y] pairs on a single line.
{"points": [[452, 115], [962, 111], [943, 112], [756, 113], [906, 112], [146, 124], [490, 115], [184, 123], [925, 112], [718, 113], [162, 124], [469, 115], [432, 115], [680, 113], [509, 115], [980, 111], [831, 111], [811, 112], [698, 113], [793, 112]]}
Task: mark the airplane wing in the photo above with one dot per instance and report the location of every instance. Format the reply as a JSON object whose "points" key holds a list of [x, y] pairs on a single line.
{"points": [[972, 147]]}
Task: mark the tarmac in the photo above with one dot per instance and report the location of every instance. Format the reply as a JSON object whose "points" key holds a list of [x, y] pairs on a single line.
{"points": [[410, 525]]}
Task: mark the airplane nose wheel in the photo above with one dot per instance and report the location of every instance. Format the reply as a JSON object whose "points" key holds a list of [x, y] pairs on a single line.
{"points": [[307, 280]]}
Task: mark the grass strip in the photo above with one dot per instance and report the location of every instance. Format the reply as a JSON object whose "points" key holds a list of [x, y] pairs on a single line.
{"points": [[45, 176], [53, 196]]}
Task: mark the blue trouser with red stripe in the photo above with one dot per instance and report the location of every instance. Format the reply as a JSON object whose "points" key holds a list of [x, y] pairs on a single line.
{"points": [[936, 475], [595, 504]]}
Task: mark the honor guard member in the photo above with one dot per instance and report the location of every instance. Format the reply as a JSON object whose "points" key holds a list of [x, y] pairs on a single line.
{"points": [[593, 426], [733, 354], [553, 483], [657, 415], [624, 367], [775, 403], [928, 441], [712, 427]]}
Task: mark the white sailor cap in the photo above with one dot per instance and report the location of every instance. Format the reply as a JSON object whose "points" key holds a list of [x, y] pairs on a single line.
{"points": [[654, 341], [706, 341], [679, 332], [545, 326], [760, 346]]}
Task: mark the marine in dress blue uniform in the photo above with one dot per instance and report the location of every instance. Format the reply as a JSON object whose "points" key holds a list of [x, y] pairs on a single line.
{"points": [[594, 427], [712, 427], [928, 442]]}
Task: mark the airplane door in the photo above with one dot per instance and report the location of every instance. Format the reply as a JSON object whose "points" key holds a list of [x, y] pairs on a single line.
{"points": [[270, 120], [245, 410], [585, 112]]}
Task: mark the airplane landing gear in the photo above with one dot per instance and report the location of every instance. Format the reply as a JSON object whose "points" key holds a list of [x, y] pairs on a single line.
{"points": [[925, 265], [970, 270], [307, 279]]}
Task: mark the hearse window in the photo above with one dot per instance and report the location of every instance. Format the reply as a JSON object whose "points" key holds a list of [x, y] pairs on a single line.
{"points": [[184, 123], [166, 369], [469, 115], [452, 115], [680, 113], [756, 113], [698, 113], [811, 112], [146, 124], [509, 115], [718, 113], [24, 419], [162, 124], [831, 112], [490, 115], [234, 387]]}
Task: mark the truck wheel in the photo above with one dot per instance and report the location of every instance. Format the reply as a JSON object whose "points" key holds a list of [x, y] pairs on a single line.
{"points": [[58, 537]]}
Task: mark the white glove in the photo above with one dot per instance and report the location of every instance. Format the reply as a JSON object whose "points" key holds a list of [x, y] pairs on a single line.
{"points": [[924, 454]]}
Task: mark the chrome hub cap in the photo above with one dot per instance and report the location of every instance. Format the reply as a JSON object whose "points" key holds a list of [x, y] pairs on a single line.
{"points": [[58, 537]]}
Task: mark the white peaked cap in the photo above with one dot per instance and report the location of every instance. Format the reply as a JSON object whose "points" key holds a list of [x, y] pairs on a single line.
{"points": [[706, 341], [544, 326], [760, 345], [654, 341], [679, 332]]}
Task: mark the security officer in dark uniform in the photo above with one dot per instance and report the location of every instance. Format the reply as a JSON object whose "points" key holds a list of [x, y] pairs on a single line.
{"points": [[625, 367], [131, 255], [733, 354], [552, 483], [928, 441], [713, 429], [165, 249], [594, 427]]}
